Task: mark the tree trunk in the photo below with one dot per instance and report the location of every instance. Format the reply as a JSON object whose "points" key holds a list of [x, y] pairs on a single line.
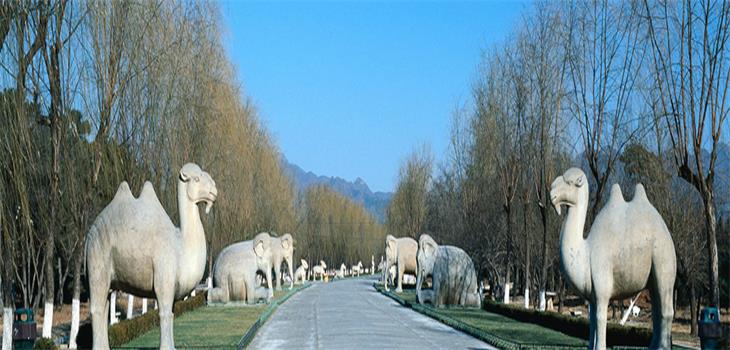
{"points": [[544, 267], [76, 302], [711, 223], [527, 256], [693, 309], [508, 257]]}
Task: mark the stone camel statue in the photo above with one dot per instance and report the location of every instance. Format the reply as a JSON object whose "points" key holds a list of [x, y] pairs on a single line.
{"points": [[628, 248], [282, 250], [133, 246], [400, 252], [235, 271], [452, 272], [301, 274]]}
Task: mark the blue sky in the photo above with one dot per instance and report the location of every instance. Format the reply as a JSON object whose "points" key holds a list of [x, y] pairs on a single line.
{"points": [[349, 89]]}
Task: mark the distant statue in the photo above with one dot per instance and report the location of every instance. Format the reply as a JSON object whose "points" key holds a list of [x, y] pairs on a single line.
{"points": [[401, 253], [452, 272], [133, 246], [236, 269], [629, 248]]}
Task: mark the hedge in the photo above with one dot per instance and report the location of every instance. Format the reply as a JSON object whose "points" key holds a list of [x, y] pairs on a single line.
{"points": [[616, 335], [126, 330]]}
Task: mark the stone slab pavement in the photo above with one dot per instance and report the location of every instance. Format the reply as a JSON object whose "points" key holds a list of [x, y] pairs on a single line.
{"points": [[351, 314]]}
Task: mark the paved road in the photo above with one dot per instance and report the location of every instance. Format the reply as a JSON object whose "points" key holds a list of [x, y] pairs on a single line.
{"points": [[350, 314]]}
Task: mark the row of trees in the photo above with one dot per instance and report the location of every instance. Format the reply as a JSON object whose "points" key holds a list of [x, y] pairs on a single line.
{"points": [[337, 230], [628, 91], [99, 92]]}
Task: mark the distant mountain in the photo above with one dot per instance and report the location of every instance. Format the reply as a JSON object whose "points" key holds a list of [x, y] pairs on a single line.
{"points": [[375, 202]]}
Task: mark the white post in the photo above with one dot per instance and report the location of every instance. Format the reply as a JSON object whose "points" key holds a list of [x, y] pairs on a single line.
{"points": [[506, 293], [155, 304], [75, 318], [47, 320], [8, 328], [627, 312], [527, 298], [130, 306], [113, 308], [144, 306], [542, 304]]}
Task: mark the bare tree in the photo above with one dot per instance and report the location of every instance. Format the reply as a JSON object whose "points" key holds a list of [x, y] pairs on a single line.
{"points": [[604, 55], [689, 55]]}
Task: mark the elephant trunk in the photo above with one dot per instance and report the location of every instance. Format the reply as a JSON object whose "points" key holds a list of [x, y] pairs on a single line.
{"points": [[419, 281], [385, 278], [291, 273], [268, 282]]}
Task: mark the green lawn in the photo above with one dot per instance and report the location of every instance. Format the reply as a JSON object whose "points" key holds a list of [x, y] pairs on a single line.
{"points": [[501, 326], [208, 327]]}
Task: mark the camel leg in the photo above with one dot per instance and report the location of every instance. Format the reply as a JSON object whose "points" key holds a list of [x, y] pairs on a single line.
{"points": [[601, 318], [165, 295], [401, 271], [99, 307], [662, 310], [592, 326]]}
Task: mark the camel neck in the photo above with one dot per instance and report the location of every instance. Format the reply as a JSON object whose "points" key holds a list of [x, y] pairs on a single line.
{"points": [[193, 249], [574, 254]]}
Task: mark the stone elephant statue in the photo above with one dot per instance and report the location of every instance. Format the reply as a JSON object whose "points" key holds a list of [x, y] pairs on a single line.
{"points": [[452, 272], [282, 250], [400, 252], [235, 270]]}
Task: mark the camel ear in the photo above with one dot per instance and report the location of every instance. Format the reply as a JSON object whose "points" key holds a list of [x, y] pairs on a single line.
{"points": [[184, 176], [258, 248]]}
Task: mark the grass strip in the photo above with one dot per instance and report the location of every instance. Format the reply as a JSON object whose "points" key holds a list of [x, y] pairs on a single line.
{"points": [[213, 326]]}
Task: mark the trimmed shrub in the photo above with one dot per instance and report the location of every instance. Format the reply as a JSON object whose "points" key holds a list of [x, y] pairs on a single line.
{"points": [[574, 326], [44, 344]]}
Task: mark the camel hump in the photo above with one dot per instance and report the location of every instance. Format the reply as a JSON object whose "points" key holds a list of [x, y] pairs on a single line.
{"points": [[148, 191], [640, 193], [123, 192], [616, 193]]}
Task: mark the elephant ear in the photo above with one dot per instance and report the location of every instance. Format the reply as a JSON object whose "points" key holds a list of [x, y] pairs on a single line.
{"points": [[391, 243], [286, 241], [258, 248], [261, 244], [428, 245]]}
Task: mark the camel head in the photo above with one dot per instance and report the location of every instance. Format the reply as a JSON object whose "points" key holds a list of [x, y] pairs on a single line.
{"points": [[569, 189], [426, 255], [199, 185]]}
